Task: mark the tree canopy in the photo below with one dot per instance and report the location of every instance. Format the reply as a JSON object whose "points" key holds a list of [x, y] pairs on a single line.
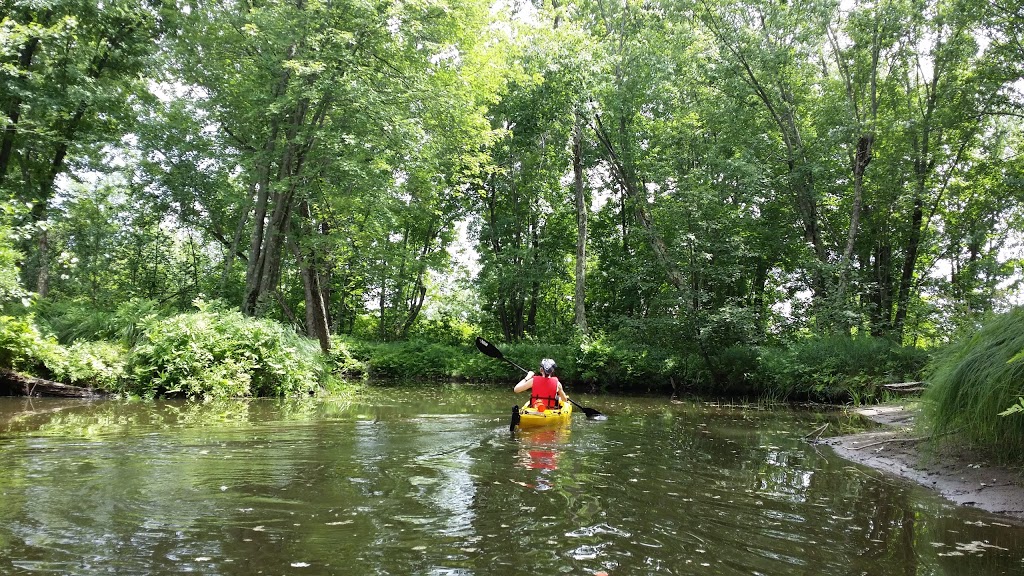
{"points": [[697, 174]]}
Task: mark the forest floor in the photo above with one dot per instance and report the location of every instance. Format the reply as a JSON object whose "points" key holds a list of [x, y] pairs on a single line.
{"points": [[958, 474]]}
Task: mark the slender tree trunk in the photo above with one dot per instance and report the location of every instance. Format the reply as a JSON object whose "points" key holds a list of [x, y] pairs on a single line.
{"points": [[534, 297], [879, 264], [270, 253], [43, 275], [316, 314], [861, 160], [419, 288], [909, 266], [257, 256], [382, 303], [866, 117], [257, 261], [582, 207], [316, 309]]}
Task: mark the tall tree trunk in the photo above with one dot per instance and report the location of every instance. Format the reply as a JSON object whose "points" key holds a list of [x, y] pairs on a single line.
{"points": [[43, 274], [257, 261], [236, 241], [316, 308], [862, 158], [909, 266], [534, 297], [582, 207], [257, 257], [269, 238], [866, 117], [881, 296]]}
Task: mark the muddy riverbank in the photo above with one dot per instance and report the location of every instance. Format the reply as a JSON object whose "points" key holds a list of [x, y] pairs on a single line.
{"points": [[961, 476]]}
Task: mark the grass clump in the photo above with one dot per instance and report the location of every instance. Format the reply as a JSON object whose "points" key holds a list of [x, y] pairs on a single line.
{"points": [[975, 379]]}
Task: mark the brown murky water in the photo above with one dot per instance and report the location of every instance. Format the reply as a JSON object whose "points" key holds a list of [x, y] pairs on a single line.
{"points": [[428, 481]]}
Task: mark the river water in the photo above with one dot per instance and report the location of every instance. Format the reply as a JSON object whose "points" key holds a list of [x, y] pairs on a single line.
{"points": [[428, 481]]}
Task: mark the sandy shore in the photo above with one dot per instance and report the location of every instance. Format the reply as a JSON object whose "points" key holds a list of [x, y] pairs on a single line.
{"points": [[960, 476]]}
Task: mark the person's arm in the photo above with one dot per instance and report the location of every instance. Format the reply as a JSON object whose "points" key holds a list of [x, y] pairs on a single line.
{"points": [[525, 384], [562, 396]]}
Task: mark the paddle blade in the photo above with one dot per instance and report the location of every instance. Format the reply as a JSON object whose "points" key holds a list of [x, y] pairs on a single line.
{"points": [[488, 348], [590, 413]]}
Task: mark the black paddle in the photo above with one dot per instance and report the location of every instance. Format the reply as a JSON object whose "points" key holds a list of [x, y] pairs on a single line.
{"points": [[492, 351]]}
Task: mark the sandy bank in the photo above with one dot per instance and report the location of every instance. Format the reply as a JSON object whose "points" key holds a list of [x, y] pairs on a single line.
{"points": [[958, 475]]}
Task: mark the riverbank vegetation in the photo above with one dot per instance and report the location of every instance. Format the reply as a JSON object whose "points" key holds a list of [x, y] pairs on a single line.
{"points": [[797, 201], [974, 380]]}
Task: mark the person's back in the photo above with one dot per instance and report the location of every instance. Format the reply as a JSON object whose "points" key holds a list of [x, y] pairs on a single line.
{"points": [[545, 389]]}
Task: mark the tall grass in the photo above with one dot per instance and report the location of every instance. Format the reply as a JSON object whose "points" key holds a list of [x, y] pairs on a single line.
{"points": [[971, 381]]}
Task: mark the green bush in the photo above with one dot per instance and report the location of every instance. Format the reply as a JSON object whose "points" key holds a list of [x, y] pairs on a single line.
{"points": [[75, 320], [444, 330], [835, 369], [973, 380], [213, 353], [737, 364], [347, 357], [10, 283], [98, 364], [23, 347], [412, 360]]}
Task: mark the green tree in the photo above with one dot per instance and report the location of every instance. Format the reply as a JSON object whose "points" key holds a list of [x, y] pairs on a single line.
{"points": [[73, 76], [321, 101]]}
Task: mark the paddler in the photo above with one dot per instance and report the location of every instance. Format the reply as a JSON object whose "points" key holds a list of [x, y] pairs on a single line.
{"points": [[547, 390]]}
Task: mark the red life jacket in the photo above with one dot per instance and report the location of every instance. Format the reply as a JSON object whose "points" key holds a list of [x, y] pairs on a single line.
{"points": [[545, 388]]}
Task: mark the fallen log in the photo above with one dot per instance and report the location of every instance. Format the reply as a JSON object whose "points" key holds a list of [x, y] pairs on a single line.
{"points": [[15, 384], [906, 387]]}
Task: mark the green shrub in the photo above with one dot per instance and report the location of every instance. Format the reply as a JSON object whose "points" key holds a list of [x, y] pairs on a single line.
{"points": [[835, 368], [10, 285], [973, 380], [213, 353], [347, 358], [614, 363], [737, 364], [98, 364], [23, 347], [412, 360], [74, 320], [445, 329]]}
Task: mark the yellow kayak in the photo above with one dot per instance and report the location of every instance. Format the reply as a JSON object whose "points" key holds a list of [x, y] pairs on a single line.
{"points": [[528, 416]]}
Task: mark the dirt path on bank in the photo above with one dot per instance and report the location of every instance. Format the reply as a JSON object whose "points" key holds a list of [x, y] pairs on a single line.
{"points": [[958, 475]]}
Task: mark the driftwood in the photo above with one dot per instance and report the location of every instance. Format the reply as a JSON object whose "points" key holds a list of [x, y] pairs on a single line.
{"points": [[15, 384], [906, 387]]}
